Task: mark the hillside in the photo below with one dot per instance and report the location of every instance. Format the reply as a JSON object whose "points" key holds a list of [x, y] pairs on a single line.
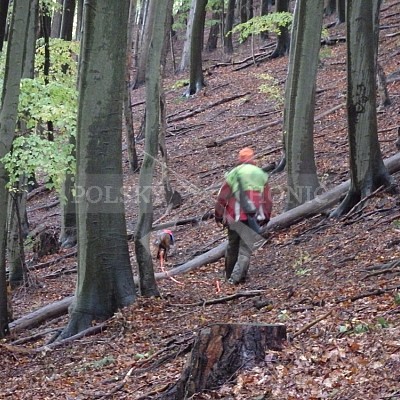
{"points": [[319, 267]]}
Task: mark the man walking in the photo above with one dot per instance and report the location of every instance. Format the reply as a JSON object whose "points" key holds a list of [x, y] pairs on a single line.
{"points": [[243, 205]]}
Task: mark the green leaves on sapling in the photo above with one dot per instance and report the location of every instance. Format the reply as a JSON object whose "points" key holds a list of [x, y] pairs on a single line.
{"points": [[272, 22]]}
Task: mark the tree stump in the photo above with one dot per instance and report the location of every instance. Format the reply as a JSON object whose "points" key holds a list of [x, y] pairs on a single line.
{"points": [[44, 241], [220, 351]]}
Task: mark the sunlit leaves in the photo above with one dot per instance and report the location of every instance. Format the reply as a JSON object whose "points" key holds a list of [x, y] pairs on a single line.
{"points": [[272, 22]]}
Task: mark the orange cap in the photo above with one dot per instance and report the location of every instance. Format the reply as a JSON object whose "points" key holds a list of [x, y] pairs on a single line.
{"points": [[246, 154]]}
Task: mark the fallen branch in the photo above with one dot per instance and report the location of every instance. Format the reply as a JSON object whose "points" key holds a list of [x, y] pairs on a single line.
{"points": [[377, 292], [206, 107], [93, 330], [311, 324], [224, 299], [219, 142]]}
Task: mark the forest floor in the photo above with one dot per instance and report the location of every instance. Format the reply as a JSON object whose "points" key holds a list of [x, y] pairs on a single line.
{"points": [[316, 268]]}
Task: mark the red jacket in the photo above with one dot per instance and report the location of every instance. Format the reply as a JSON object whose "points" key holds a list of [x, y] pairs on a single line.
{"points": [[227, 207]]}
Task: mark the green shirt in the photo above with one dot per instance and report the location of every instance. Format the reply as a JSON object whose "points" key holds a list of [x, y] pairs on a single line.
{"points": [[251, 178]]}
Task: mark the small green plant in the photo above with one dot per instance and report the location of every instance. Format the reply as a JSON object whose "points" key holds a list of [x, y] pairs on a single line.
{"points": [[272, 22], [361, 328], [397, 298], [382, 323], [284, 315], [396, 224], [98, 364], [325, 52], [180, 84], [298, 265], [271, 88]]}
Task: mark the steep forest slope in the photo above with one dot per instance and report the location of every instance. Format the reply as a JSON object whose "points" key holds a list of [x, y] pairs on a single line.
{"points": [[342, 270]]}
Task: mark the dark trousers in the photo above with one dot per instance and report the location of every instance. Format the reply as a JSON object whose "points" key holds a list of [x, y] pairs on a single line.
{"points": [[242, 241]]}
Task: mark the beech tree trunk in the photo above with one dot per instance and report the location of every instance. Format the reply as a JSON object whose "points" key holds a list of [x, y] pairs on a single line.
{"points": [[221, 351]]}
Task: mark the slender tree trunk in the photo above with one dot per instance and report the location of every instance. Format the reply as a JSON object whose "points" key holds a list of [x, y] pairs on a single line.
{"points": [[56, 22], [299, 114], [8, 117], [341, 11], [215, 28], [229, 19], [196, 47], [329, 7], [367, 170], [185, 59], [68, 235], [264, 11], [129, 132], [67, 22], [79, 20], [3, 21], [147, 283], [283, 43], [145, 35]]}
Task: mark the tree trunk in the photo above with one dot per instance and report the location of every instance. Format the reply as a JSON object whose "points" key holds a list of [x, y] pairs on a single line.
{"points": [[367, 170], [144, 41], [172, 196], [68, 235], [79, 21], [341, 11], [229, 20], [105, 281], [196, 77], [67, 22], [264, 11], [214, 31], [3, 21], [329, 7], [221, 351], [129, 132], [8, 116], [299, 114], [283, 42], [56, 22], [185, 59], [147, 283]]}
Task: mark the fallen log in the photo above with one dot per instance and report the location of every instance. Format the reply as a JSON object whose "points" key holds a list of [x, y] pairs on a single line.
{"points": [[220, 351], [36, 317]]}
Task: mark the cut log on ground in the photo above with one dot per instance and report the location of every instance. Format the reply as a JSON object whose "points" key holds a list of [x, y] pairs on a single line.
{"points": [[45, 313], [220, 352]]}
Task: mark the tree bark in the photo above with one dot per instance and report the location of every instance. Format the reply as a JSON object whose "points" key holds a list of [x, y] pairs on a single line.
{"points": [[220, 351], [283, 42], [3, 21], [67, 22], [105, 280], [8, 117], [299, 114], [196, 77], [145, 33], [147, 283], [229, 20], [367, 170], [185, 59], [56, 22], [129, 132]]}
